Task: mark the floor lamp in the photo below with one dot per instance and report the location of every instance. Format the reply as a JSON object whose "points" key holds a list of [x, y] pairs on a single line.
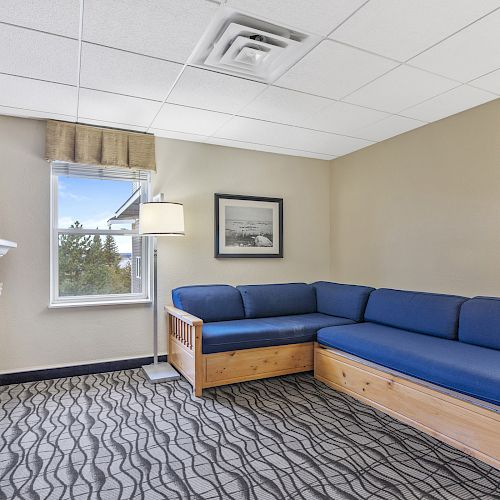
{"points": [[159, 218]]}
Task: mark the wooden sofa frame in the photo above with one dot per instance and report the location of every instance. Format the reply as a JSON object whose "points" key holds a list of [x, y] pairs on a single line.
{"points": [[471, 425], [184, 338]]}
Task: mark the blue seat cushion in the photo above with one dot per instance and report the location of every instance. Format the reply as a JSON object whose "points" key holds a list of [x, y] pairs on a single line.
{"points": [[480, 322], [209, 302], [346, 301], [262, 332], [265, 301], [420, 312], [455, 365]]}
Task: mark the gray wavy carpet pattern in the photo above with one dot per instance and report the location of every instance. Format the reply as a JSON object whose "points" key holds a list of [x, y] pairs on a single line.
{"points": [[114, 436]]}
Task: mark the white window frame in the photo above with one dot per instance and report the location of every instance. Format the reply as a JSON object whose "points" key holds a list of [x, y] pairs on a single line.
{"points": [[138, 266], [57, 301]]}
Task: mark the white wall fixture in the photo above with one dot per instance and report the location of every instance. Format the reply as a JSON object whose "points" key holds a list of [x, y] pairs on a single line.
{"points": [[5, 246], [241, 45]]}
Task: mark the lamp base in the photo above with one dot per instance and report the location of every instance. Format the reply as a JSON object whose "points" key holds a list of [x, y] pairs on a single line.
{"points": [[160, 372]]}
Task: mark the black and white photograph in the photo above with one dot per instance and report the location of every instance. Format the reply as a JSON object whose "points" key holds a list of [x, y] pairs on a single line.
{"points": [[248, 226]]}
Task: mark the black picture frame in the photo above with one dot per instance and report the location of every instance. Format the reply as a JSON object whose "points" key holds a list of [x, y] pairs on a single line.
{"points": [[221, 253]]}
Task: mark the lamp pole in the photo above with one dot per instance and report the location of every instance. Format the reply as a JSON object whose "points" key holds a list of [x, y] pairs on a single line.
{"points": [[155, 299]]}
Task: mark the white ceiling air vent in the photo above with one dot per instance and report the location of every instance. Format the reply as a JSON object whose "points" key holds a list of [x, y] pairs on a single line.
{"points": [[241, 45]]}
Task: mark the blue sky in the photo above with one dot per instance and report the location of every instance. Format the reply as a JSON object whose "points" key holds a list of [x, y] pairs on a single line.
{"points": [[92, 202]]}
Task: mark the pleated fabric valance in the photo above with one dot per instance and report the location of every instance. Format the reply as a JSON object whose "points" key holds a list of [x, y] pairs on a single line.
{"points": [[90, 145]]}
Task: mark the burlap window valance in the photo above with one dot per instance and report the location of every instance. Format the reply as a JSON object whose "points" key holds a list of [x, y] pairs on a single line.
{"points": [[99, 146]]}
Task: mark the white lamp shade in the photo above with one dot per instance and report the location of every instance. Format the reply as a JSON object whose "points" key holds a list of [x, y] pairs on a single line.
{"points": [[161, 218]]}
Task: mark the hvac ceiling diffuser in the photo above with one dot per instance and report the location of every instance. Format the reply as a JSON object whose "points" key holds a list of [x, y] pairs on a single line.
{"points": [[241, 45]]}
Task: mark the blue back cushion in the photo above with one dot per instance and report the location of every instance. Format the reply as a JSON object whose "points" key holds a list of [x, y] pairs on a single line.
{"points": [[345, 301], [209, 302], [480, 322], [264, 301], [427, 313]]}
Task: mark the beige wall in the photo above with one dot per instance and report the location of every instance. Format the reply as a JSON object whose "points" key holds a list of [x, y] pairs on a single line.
{"points": [[33, 336], [421, 211]]}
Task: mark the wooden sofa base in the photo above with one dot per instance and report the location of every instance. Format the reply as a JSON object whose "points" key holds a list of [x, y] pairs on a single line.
{"points": [[471, 428], [231, 367], [222, 368], [251, 364]]}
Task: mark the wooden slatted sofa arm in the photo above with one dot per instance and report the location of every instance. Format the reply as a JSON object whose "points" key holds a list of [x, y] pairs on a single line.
{"points": [[185, 345], [183, 316]]}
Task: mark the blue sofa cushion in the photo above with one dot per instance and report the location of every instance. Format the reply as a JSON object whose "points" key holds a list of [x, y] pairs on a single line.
{"points": [[480, 322], [346, 301], [209, 302], [264, 301], [262, 332], [428, 313], [455, 365]]}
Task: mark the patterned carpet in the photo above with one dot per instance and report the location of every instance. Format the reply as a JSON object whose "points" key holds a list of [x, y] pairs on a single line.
{"points": [[114, 436]]}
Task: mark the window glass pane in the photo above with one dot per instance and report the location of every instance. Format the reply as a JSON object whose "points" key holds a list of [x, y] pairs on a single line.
{"points": [[98, 265], [97, 203]]}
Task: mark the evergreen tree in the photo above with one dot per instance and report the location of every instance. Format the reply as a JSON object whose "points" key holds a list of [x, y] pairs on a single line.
{"points": [[73, 249], [95, 271], [110, 251], [87, 266]]}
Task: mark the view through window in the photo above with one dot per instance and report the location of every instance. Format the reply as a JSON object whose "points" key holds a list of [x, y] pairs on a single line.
{"points": [[97, 254]]}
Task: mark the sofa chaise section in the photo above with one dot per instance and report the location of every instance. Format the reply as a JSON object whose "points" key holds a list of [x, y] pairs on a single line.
{"points": [[254, 331], [430, 360], [461, 367]]}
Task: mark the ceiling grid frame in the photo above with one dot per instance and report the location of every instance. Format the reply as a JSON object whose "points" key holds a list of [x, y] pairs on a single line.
{"points": [[272, 84]]}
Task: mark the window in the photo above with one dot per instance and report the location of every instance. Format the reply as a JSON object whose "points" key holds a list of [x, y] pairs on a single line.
{"points": [[97, 255]]}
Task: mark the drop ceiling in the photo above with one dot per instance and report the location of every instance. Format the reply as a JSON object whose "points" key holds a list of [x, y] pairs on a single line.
{"points": [[376, 69]]}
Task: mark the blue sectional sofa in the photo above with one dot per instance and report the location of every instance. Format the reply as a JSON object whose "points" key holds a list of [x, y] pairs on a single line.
{"points": [[255, 316], [400, 351]]}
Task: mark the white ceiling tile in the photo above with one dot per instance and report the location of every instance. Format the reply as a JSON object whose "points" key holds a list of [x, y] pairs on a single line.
{"points": [[490, 82], [343, 118], [189, 120], [342, 145], [268, 149], [116, 108], [401, 88], [334, 70], [126, 73], [103, 123], [37, 115], [388, 127], [168, 29], [320, 16], [37, 95], [200, 88], [29, 53], [171, 134], [284, 106], [261, 132], [469, 54], [284, 136], [451, 102], [400, 29], [56, 16]]}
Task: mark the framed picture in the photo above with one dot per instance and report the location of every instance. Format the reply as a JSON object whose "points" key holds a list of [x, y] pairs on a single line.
{"points": [[248, 226]]}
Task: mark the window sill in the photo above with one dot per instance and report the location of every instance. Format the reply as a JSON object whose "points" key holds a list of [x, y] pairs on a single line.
{"points": [[63, 305]]}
